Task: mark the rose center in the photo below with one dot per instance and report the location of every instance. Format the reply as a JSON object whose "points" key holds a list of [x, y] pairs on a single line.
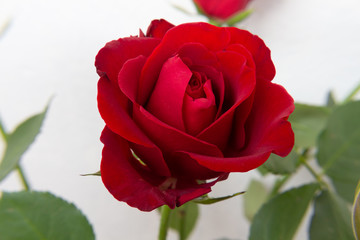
{"points": [[195, 86]]}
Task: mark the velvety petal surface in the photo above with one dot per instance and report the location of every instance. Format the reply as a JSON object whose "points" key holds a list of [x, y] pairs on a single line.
{"points": [[213, 38], [129, 181], [267, 131], [166, 100], [265, 68], [114, 54], [170, 139], [158, 28], [200, 112], [239, 84]]}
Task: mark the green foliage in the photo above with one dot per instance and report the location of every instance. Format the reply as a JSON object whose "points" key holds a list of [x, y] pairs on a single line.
{"points": [[183, 219], [356, 213], [238, 17], [254, 197], [280, 217], [339, 152], [307, 122], [279, 165], [331, 219], [207, 200], [19, 141], [38, 215]]}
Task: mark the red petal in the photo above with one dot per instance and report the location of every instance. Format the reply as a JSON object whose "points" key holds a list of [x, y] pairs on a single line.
{"points": [[199, 113], [265, 68], [267, 128], [197, 54], [223, 9], [127, 180], [231, 164], [267, 131], [110, 58], [170, 139], [158, 28], [166, 100], [239, 84], [113, 107], [213, 38], [128, 78]]}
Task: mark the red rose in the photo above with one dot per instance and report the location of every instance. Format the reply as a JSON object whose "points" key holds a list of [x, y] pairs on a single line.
{"points": [[194, 102], [223, 9]]}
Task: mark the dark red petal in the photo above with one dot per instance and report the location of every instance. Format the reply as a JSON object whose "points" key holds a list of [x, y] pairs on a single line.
{"points": [[217, 83], [124, 177], [166, 100], [111, 58], [239, 84], [267, 128], [201, 112], [170, 139], [158, 28], [231, 164], [113, 107], [127, 180], [265, 68], [267, 131], [213, 38], [128, 78], [184, 166], [197, 54]]}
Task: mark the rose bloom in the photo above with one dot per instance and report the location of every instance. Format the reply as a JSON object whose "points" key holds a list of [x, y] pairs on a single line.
{"points": [[184, 106], [221, 9]]}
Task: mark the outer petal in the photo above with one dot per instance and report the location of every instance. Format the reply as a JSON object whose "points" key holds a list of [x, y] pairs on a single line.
{"points": [[231, 164], [158, 28], [265, 68], [113, 107], [267, 131], [213, 38], [111, 58], [127, 180], [267, 128]]}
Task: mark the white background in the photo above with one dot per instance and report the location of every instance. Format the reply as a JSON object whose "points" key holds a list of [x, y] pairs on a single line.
{"points": [[49, 50]]}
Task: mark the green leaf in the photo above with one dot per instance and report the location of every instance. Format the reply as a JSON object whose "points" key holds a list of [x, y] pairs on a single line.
{"points": [[280, 217], [183, 219], [339, 151], [356, 213], [307, 122], [207, 200], [98, 173], [331, 101], [19, 141], [239, 17], [38, 215], [254, 197], [331, 219], [282, 165]]}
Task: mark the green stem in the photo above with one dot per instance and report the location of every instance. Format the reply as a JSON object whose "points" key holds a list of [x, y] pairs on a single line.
{"points": [[352, 94], [3, 131], [182, 224], [164, 222], [278, 185], [23, 178], [303, 160]]}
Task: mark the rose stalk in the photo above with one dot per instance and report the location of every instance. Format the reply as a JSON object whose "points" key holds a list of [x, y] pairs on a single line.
{"points": [[184, 106]]}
